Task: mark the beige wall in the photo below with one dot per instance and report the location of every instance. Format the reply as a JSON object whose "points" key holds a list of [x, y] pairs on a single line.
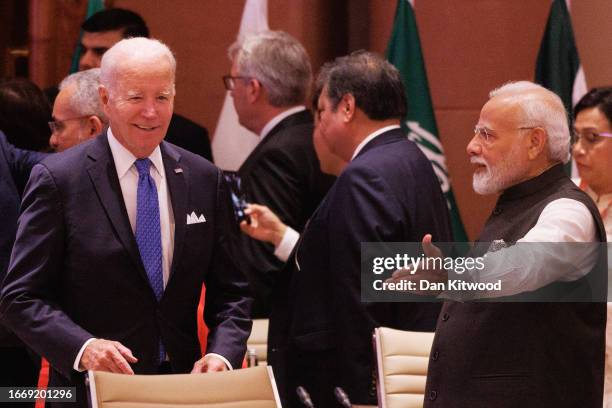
{"points": [[470, 46]]}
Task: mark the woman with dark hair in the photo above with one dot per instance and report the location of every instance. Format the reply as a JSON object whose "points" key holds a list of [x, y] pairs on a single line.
{"points": [[593, 149], [593, 154], [25, 114]]}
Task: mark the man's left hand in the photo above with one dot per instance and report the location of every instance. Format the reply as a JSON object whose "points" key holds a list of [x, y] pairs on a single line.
{"points": [[208, 364]]}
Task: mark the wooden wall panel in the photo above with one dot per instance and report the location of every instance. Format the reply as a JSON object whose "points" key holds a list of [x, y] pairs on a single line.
{"points": [[593, 33], [54, 32]]}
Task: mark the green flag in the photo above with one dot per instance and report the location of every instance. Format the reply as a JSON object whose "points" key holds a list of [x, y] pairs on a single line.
{"points": [[93, 6], [404, 51], [558, 65]]}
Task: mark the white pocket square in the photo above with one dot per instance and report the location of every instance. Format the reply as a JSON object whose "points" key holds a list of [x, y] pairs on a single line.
{"points": [[194, 219]]}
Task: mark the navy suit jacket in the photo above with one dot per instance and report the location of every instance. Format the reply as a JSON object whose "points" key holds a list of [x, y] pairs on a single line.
{"points": [[388, 193], [76, 271], [15, 166]]}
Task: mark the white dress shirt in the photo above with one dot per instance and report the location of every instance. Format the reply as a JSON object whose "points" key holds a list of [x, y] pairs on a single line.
{"points": [[128, 180], [562, 220], [284, 248]]}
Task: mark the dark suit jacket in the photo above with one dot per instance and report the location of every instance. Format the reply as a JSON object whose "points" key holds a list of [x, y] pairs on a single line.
{"points": [[189, 135], [523, 353], [15, 166], [76, 272], [282, 173], [321, 334]]}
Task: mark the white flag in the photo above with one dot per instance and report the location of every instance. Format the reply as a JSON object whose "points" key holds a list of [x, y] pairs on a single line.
{"points": [[231, 142]]}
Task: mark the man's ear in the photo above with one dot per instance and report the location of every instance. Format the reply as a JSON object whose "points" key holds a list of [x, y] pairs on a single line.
{"points": [[254, 90], [537, 142], [103, 92], [347, 107], [94, 126]]}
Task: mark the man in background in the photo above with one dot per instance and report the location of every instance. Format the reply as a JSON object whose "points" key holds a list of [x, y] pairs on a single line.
{"points": [[24, 115], [269, 82], [264, 225], [100, 32], [77, 111]]}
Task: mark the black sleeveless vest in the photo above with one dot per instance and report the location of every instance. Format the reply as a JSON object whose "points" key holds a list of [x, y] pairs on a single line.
{"points": [[521, 354]]}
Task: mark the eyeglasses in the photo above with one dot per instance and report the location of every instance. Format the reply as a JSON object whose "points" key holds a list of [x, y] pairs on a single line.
{"points": [[230, 81], [59, 125], [487, 136], [588, 137]]}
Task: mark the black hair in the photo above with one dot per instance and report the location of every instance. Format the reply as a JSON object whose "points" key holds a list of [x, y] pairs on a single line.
{"points": [[597, 98], [24, 114], [117, 19]]}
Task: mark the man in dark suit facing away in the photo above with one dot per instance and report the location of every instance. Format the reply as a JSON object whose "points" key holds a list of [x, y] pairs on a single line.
{"points": [[269, 82], [321, 335], [116, 237]]}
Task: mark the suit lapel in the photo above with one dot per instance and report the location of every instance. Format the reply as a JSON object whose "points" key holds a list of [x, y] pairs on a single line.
{"points": [[103, 175], [298, 118], [176, 178]]}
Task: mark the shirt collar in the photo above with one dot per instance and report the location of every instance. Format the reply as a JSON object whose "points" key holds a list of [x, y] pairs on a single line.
{"points": [[278, 118], [371, 136], [124, 159]]}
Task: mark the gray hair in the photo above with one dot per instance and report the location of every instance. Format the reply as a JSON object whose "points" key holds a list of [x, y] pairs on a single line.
{"points": [[85, 100], [278, 61], [131, 51], [541, 108]]}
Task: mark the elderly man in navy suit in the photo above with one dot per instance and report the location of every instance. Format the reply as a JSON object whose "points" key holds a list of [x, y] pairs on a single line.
{"points": [[117, 236], [321, 336]]}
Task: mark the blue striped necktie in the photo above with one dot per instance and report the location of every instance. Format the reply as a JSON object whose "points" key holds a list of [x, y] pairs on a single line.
{"points": [[148, 231]]}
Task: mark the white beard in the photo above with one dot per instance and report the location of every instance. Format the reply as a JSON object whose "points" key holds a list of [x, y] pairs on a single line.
{"points": [[497, 178]]}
